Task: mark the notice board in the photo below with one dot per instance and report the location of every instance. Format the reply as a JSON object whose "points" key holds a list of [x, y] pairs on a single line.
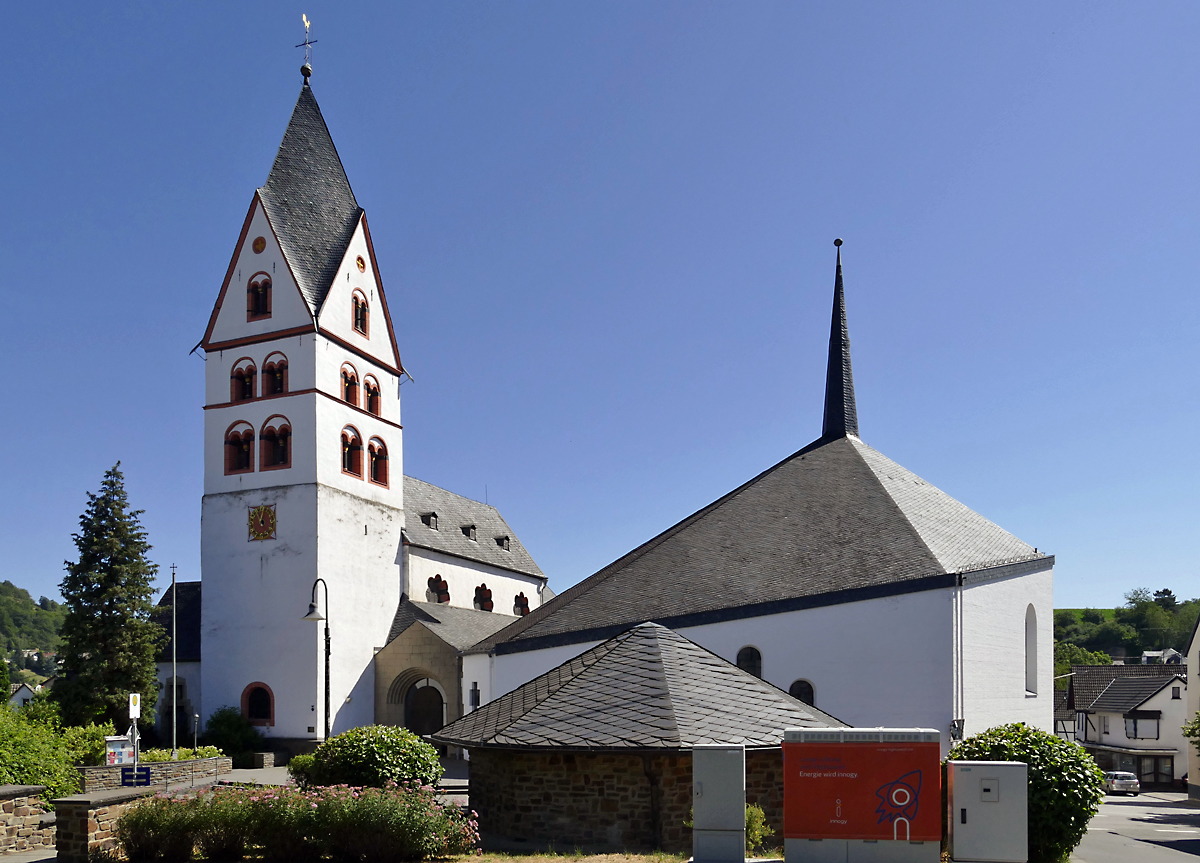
{"points": [[862, 790]]}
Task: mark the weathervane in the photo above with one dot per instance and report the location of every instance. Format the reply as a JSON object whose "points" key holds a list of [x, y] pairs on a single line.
{"points": [[306, 69]]}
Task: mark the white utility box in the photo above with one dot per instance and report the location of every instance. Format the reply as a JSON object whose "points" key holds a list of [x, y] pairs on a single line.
{"points": [[988, 803], [719, 804]]}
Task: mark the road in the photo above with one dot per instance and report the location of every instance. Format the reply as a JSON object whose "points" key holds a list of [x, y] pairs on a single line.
{"points": [[1152, 828]]}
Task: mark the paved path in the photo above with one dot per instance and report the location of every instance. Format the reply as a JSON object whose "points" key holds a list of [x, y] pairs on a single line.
{"points": [[1157, 827]]}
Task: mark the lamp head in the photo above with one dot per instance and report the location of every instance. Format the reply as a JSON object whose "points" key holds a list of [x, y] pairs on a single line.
{"points": [[313, 615]]}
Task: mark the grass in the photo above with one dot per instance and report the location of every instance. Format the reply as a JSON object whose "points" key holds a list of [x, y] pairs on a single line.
{"points": [[1109, 613]]}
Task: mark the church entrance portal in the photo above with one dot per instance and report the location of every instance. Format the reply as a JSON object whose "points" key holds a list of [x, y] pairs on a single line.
{"points": [[424, 708]]}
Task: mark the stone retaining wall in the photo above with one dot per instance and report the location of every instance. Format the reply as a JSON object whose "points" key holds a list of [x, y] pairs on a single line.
{"points": [[24, 822], [602, 801], [87, 822], [106, 778]]}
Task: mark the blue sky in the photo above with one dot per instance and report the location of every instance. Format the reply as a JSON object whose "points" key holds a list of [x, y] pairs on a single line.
{"points": [[606, 235]]}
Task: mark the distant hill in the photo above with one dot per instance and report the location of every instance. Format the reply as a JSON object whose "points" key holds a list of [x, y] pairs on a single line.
{"points": [[25, 624]]}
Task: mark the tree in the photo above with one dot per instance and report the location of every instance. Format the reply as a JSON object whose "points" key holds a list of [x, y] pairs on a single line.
{"points": [[1067, 654], [4, 679], [1165, 599], [109, 643]]}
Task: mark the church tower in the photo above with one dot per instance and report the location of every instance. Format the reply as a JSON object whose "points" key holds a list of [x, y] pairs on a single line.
{"points": [[303, 473]]}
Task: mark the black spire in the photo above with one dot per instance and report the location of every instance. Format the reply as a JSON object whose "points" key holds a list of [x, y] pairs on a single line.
{"points": [[841, 415]]}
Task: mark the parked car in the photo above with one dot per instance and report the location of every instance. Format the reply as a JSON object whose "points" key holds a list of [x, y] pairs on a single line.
{"points": [[1117, 782]]}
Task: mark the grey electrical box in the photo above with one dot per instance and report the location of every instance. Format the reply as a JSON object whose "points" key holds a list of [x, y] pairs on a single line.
{"points": [[988, 811], [719, 804]]}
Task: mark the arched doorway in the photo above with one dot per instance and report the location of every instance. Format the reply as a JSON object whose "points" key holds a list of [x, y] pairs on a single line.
{"points": [[424, 707]]}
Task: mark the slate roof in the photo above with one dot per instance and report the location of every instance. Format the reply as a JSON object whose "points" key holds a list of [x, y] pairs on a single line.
{"points": [[647, 688], [1062, 713], [1127, 693], [1088, 682], [458, 627], [187, 620], [835, 522], [309, 202], [454, 512]]}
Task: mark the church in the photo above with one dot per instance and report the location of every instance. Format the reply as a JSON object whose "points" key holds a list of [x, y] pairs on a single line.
{"points": [[337, 592]]}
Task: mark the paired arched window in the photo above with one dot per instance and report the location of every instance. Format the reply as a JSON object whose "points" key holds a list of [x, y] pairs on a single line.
{"points": [[241, 380], [483, 598], [352, 452], [377, 461], [1031, 657], [258, 297], [802, 690], [276, 443], [349, 384], [749, 659], [258, 704], [362, 314], [371, 395], [274, 375], [239, 448]]}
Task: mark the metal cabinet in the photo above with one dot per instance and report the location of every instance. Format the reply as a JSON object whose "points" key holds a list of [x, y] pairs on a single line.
{"points": [[988, 811], [719, 804]]}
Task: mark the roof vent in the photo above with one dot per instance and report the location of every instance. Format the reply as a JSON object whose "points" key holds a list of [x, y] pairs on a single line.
{"points": [[469, 532], [504, 543], [429, 519]]}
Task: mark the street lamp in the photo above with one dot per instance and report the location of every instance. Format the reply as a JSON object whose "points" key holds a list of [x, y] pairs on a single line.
{"points": [[315, 616]]}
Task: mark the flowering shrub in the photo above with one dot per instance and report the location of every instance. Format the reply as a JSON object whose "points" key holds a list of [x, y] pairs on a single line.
{"points": [[370, 755], [154, 755], [347, 823]]}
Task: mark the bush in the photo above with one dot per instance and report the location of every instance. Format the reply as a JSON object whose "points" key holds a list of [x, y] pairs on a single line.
{"points": [[372, 755], [346, 823], [233, 734], [156, 755], [757, 829], [1065, 785], [300, 768], [32, 753]]}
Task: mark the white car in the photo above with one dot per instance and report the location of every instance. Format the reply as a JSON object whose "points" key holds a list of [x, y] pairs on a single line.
{"points": [[1117, 782]]}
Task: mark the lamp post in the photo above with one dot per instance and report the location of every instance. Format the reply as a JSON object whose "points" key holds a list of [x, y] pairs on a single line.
{"points": [[315, 616]]}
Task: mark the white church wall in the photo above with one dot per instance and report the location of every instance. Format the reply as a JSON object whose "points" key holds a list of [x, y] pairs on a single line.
{"points": [[336, 313], [288, 308], [332, 416], [878, 662], [255, 594], [357, 555], [510, 670], [219, 365], [332, 357], [299, 410], [463, 576], [993, 662]]}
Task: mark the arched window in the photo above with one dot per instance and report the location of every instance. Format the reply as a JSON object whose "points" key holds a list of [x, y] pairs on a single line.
{"points": [[483, 598], [371, 395], [258, 297], [239, 448], [241, 380], [377, 461], [1031, 657], [349, 385], [352, 452], [258, 704], [802, 690], [362, 314], [274, 375], [521, 604], [275, 447], [749, 659], [438, 591]]}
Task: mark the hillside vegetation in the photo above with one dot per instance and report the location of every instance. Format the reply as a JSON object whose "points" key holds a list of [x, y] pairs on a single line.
{"points": [[1147, 621], [25, 624]]}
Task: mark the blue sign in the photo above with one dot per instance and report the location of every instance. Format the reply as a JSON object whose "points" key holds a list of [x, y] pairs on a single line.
{"points": [[132, 777]]}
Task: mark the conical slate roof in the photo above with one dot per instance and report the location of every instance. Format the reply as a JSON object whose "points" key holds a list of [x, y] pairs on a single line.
{"points": [[647, 688], [835, 522], [309, 202]]}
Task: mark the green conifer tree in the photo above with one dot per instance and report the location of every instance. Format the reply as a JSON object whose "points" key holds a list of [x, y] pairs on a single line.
{"points": [[109, 643]]}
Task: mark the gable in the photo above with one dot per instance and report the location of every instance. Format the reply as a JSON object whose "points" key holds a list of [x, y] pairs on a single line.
{"points": [[229, 323]]}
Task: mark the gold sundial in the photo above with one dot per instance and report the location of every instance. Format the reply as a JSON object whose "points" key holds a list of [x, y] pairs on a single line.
{"points": [[262, 521]]}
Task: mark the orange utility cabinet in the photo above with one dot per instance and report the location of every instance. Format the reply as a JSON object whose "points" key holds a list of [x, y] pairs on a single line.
{"points": [[853, 794]]}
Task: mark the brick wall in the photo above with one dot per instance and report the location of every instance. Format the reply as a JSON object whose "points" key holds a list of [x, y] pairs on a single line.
{"points": [[87, 822], [108, 778], [24, 820], [602, 801]]}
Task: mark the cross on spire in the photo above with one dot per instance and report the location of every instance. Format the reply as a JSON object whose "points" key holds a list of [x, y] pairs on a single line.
{"points": [[841, 413], [306, 69]]}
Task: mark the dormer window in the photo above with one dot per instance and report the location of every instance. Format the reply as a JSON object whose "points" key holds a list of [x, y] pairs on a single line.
{"points": [[362, 314], [429, 519], [258, 297], [469, 532], [504, 543]]}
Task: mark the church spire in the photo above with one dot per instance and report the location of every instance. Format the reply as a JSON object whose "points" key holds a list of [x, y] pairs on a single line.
{"points": [[841, 415]]}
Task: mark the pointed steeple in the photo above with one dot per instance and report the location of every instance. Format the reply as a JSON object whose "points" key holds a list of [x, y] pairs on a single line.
{"points": [[309, 200], [841, 415]]}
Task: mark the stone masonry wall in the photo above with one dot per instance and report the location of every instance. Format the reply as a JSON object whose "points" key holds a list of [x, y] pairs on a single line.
{"points": [[602, 801], [24, 821], [107, 778], [87, 822]]}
